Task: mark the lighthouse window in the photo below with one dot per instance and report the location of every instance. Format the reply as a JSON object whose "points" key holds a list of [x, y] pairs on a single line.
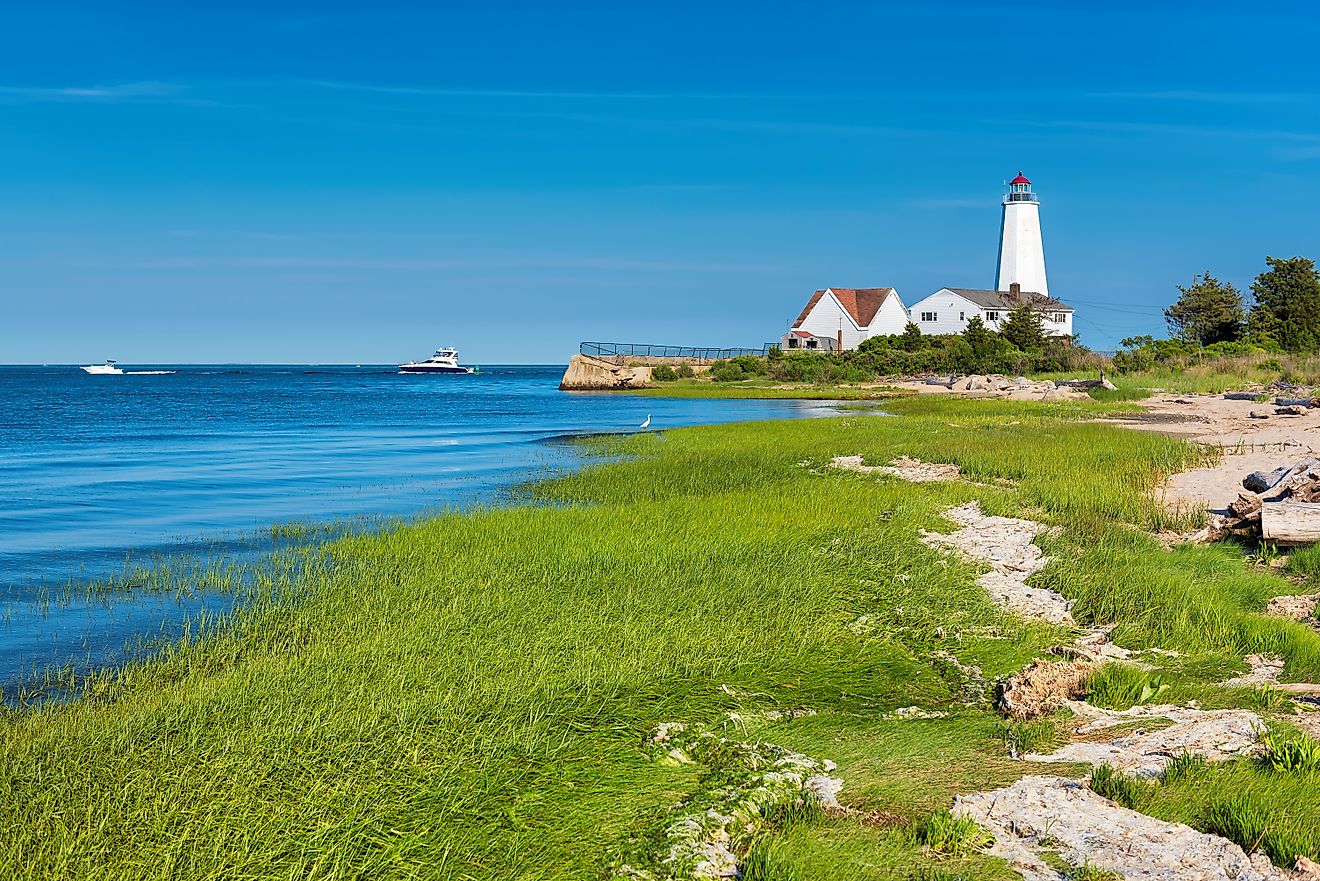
{"points": [[929, 316]]}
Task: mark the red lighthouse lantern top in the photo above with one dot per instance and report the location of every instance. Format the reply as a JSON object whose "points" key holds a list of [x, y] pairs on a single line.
{"points": [[1019, 190]]}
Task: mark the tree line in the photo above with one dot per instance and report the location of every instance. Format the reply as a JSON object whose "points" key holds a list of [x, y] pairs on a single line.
{"points": [[1284, 314]]}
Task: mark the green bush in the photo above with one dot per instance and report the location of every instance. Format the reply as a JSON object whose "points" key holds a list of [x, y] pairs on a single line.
{"points": [[1299, 755], [727, 371], [1118, 686], [685, 371], [664, 373]]}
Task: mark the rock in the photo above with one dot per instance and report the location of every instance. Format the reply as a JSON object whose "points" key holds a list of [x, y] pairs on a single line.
{"points": [[704, 837], [1217, 735], [1299, 607], [1008, 545], [1290, 410], [1307, 870], [587, 373], [967, 680], [1258, 414], [903, 467], [1042, 687], [1043, 813], [1265, 670]]}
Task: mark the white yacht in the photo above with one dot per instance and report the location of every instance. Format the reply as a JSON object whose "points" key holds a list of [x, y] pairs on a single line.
{"points": [[109, 367], [445, 360]]}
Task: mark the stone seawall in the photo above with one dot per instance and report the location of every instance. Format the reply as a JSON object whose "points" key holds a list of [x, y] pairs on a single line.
{"points": [[586, 373], [589, 373]]}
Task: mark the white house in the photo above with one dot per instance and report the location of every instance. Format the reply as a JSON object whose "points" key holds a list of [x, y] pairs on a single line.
{"points": [[837, 319], [949, 309]]}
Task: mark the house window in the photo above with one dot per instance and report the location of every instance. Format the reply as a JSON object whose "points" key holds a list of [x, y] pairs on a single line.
{"points": [[1059, 317], [811, 344], [962, 316], [793, 342], [929, 316], [992, 316]]}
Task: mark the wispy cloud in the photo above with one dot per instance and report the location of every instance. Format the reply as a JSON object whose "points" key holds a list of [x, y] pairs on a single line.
{"points": [[1162, 128], [949, 203], [407, 264], [1209, 97], [452, 92], [147, 90]]}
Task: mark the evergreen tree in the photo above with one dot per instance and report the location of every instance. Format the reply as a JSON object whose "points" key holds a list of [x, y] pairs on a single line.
{"points": [[911, 340], [979, 337], [1288, 304], [1023, 329], [1210, 311]]}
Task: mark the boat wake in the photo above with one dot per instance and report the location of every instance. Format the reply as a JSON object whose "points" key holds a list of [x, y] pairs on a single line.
{"points": [[148, 372]]}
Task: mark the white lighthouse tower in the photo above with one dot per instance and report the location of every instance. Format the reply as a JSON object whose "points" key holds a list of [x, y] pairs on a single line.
{"points": [[1021, 254]]}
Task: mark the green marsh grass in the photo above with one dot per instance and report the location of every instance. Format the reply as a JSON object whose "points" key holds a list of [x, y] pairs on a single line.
{"points": [[467, 696]]}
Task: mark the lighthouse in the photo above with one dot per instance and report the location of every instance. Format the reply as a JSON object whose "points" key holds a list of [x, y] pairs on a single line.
{"points": [[1021, 254]]}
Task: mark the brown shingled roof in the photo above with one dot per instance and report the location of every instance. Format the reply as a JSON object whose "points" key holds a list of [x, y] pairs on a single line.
{"points": [[806, 310], [1007, 300], [860, 303]]}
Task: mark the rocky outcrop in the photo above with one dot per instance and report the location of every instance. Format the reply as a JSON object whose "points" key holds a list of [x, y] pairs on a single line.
{"points": [[1008, 545], [1217, 735], [1022, 389], [714, 827], [1063, 817], [904, 468], [586, 373]]}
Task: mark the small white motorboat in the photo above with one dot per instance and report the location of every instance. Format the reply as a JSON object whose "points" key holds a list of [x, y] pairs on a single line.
{"points": [[445, 360], [109, 367]]}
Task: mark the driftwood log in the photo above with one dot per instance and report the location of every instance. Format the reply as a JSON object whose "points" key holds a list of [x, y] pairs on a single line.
{"points": [[1245, 396], [1290, 523]]}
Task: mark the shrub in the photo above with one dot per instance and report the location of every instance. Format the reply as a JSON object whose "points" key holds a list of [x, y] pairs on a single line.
{"points": [[685, 371], [1299, 755], [727, 371], [942, 832], [664, 373], [1118, 686], [1130, 792]]}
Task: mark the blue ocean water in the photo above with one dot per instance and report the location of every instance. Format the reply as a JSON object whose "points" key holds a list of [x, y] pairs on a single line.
{"points": [[102, 473]]}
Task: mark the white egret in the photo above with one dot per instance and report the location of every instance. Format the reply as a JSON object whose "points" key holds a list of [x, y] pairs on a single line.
{"points": [[647, 423]]}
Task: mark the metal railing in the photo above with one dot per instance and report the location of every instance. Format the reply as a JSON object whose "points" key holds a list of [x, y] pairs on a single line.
{"points": [[650, 350]]}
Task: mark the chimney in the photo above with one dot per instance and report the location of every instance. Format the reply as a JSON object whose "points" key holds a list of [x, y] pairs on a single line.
{"points": [[1015, 289], [840, 348]]}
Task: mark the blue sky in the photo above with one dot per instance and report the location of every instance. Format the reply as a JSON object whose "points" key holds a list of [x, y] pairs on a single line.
{"points": [[353, 182]]}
